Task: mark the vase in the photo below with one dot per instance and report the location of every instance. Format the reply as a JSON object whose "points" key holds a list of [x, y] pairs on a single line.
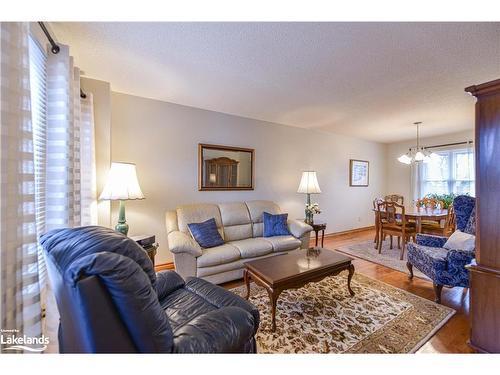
{"points": [[309, 217]]}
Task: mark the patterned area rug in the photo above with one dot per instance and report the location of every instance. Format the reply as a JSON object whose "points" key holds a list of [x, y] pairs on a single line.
{"points": [[323, 318], [387, 257]]}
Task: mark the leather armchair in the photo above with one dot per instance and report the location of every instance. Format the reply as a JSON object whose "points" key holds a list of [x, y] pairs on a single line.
{"points": [[111, 301], [445, 267]]}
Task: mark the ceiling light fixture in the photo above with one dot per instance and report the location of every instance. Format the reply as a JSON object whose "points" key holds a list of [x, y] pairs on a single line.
{"points": [[416, 154]]}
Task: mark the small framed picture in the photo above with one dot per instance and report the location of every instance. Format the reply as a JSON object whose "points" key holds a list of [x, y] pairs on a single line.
{"points": [[359, 171]]}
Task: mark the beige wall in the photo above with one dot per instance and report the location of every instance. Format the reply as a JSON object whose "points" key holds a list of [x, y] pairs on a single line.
{"points": [[399, 175], [162, 139]]}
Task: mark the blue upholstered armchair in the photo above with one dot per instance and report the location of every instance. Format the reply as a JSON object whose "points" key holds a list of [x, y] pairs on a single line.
{"points": [[111, 301], [445, 267]]}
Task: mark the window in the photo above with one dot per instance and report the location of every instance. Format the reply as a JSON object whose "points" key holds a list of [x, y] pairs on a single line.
{"points": [[450, 171], [38, 89]]}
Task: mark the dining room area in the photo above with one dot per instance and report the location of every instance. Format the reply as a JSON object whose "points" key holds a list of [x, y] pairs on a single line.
{"points": [[428, 213]]}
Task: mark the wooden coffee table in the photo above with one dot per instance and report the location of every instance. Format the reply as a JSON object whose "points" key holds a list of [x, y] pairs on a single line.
{"points": [[294, 270]]}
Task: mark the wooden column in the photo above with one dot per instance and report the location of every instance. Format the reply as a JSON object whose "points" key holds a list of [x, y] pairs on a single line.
{"points": [[485, 273]]}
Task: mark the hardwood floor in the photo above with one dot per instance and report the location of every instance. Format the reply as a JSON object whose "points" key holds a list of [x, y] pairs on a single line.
{"points": [[453, 336]]}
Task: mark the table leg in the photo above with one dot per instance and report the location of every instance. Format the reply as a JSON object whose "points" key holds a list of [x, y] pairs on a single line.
{"points": [[419, 224], [273, 296], [349, 278], [317, 233], [377, 231], [322, 237], [246, 277]]}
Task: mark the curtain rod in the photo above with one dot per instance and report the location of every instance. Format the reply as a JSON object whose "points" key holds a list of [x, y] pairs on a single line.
{"points": [[448, 144], [54, 48]]}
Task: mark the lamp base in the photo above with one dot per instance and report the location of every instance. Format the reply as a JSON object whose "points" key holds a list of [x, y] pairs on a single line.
{"points": [[122, 225], [122, 228]]}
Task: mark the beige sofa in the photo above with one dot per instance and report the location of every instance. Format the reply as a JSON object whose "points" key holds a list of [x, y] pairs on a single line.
{"points": [[241, 227]]}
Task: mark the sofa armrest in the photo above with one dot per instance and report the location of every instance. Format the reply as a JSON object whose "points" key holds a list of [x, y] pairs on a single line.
{"points": [[430, 240], [180, 242], [225, 330], [168, 282], [298, 228], [221, 297]]}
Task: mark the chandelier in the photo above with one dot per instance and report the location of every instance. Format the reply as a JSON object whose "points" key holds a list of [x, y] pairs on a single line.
{"points": [[416, 154]]}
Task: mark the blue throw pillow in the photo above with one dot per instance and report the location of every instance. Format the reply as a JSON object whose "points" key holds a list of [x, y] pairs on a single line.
{"points": [[275, 225], [206, 233]]}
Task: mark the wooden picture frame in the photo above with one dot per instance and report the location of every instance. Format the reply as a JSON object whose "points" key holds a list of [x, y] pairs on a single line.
{"points": [[230, 165], [359, 173]]}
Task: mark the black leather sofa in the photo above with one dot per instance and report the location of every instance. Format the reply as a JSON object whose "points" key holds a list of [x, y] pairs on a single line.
{"points": [[111, 301]]}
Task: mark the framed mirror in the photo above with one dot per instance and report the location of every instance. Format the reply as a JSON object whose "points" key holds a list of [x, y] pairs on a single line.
{"points": [[225, 167]]}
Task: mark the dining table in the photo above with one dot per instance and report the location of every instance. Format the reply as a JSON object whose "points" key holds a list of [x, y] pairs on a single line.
{"points": [[417, 215]]}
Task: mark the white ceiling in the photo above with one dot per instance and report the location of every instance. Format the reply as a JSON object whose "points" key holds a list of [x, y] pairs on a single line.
{"points": [[368, 80]]}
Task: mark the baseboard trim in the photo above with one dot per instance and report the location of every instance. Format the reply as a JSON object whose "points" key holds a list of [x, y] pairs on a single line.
{"points": [[171, 266], [164, 266], [350, 231]]}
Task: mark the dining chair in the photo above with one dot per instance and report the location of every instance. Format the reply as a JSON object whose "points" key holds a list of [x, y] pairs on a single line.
{"points": [[376, 201], [395, 198], [394, 223], [435, 228]]}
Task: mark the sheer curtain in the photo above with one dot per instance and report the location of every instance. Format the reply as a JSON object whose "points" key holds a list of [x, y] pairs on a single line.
{"points": [[451, 170], [19, 284], [47, 167], [71, 191]]}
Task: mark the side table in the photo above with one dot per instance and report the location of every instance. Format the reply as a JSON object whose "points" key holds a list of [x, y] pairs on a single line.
{"points": [[148, 243], [317, 227]]}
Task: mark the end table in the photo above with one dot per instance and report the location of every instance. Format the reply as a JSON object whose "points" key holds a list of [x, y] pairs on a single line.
{"points": [[148, 243], [317, 227]]}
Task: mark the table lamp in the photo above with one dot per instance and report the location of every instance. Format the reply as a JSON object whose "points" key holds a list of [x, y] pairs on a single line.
{"points": [[309, 185], [122, 185]]}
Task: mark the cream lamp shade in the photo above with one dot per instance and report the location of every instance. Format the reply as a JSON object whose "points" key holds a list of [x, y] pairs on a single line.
{"points": [[122, 183], [309, 183]]}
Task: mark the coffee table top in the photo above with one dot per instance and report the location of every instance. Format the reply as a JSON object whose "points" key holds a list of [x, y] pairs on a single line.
{"points": [[299, 263]]}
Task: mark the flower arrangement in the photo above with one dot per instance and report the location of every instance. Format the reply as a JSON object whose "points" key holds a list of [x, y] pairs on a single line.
{"points": [[428, 203], [436, 201], [445, 199], [311, 209]]}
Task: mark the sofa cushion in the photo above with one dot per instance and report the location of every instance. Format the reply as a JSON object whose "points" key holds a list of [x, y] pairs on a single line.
{"points": [[206, 233], [275, 225], [238, 232], [283, 243], [236, 221], [183, 305], [253, 247], [258, 229], [218, 255], [429, 260], [197, 213], [234, 213]]}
